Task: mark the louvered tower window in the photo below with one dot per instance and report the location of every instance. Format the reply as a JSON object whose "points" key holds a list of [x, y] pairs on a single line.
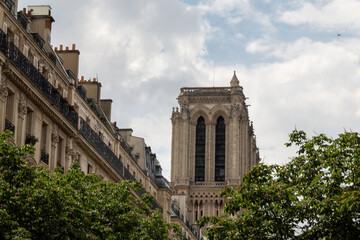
{"points": [[220, 150], [200, 150]]}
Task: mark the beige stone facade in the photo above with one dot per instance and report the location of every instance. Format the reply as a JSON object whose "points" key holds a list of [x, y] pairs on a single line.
{"points": [[44, 102], [213, 146]]}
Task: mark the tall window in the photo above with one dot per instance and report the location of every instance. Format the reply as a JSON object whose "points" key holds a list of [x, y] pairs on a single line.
{"points": [[43, 143], [220, 150], [200, 150], [10, 103], [29, 122]]}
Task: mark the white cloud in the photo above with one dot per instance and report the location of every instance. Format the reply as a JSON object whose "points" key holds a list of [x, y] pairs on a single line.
{"points": [[342, 15], [312, 86], [145, 51], [257, 46], [234, 11]]}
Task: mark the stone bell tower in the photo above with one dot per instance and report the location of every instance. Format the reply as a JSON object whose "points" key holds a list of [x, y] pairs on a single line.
{"points": [[213, 146]]}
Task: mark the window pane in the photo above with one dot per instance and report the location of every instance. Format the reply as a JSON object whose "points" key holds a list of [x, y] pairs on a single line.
{"points": [[200, 150], [220, 150]]}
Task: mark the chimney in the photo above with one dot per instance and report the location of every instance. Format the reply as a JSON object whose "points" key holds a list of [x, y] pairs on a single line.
{"points": [[93, 89], [41, 21], [105, 104], [70, 58]]}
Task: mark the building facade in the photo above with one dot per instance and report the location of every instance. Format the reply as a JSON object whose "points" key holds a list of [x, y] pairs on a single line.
{"points": [[45, 102], [213, 146]]}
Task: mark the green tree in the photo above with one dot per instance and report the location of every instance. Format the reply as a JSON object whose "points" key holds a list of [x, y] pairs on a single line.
{"points": [[36, 204], [315, 196]]}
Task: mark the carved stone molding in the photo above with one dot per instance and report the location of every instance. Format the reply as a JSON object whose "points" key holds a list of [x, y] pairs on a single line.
{"points": [[54, 136], [176, 116], [185, 112], [235, 111], [22, 105], [3, 89], [68, 148], [244, 115], [97, 127], [13, 73]]}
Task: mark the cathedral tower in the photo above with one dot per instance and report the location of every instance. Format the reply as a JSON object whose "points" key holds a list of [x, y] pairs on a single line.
{"points": [[213, 146]]}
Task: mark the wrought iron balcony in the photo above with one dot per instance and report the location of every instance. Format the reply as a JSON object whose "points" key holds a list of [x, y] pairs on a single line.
{"points": [[82, 92], [40, 82], [186, 222], [32, 140], [44, 157], [126, 147], [10, 5], [174, 210], [9, 126], [22, 20], [128, 175], [3, 43], [100, 146], [38, 39], [142, 191]]}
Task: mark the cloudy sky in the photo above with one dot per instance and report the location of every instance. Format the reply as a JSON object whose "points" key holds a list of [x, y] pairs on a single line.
{"points": [[298, 61]]}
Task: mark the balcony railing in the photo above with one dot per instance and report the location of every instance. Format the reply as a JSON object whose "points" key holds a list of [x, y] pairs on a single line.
{"points": [[10, 5], [38, 39], [186, 222], [9, 126], [128, 175], [82, 92], [142, 191], [40, 82], [44, 157], [126, 147], [206, 91], [100, 146], [22, 20]]}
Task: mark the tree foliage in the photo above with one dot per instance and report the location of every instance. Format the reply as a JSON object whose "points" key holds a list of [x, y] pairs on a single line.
{"points": [[315, 196], [36, 204]]}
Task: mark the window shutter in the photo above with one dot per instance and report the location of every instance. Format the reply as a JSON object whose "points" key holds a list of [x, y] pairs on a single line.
{"points": [[16, 40], [5, 27]]}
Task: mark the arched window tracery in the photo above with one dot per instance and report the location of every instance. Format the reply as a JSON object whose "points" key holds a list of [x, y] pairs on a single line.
{"points": [[220, 149], [200, 150]]}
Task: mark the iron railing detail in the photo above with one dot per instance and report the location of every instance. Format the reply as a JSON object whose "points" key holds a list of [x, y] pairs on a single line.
{"points": [[82, 92], [40, 82], [128, 175], [38, 39], [100, 146], [126, 147], [186, 222], [10, 5], [22, 20], [9, 126], [44, 157], [141, 191]]}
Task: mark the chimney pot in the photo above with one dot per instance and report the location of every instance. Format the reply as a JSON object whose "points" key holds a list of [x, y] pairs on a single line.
{"points": [[24, 10], [73, 47], [82, 79], [67, 48], [94, 79], [61, 47], [56, 48]]}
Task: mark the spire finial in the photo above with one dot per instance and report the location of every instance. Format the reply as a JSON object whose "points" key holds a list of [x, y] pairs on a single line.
{"points": [[234, 81]]}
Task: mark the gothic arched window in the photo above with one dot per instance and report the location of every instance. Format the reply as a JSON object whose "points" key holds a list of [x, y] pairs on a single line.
{"points": [[200, 150], [220, 150]]}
